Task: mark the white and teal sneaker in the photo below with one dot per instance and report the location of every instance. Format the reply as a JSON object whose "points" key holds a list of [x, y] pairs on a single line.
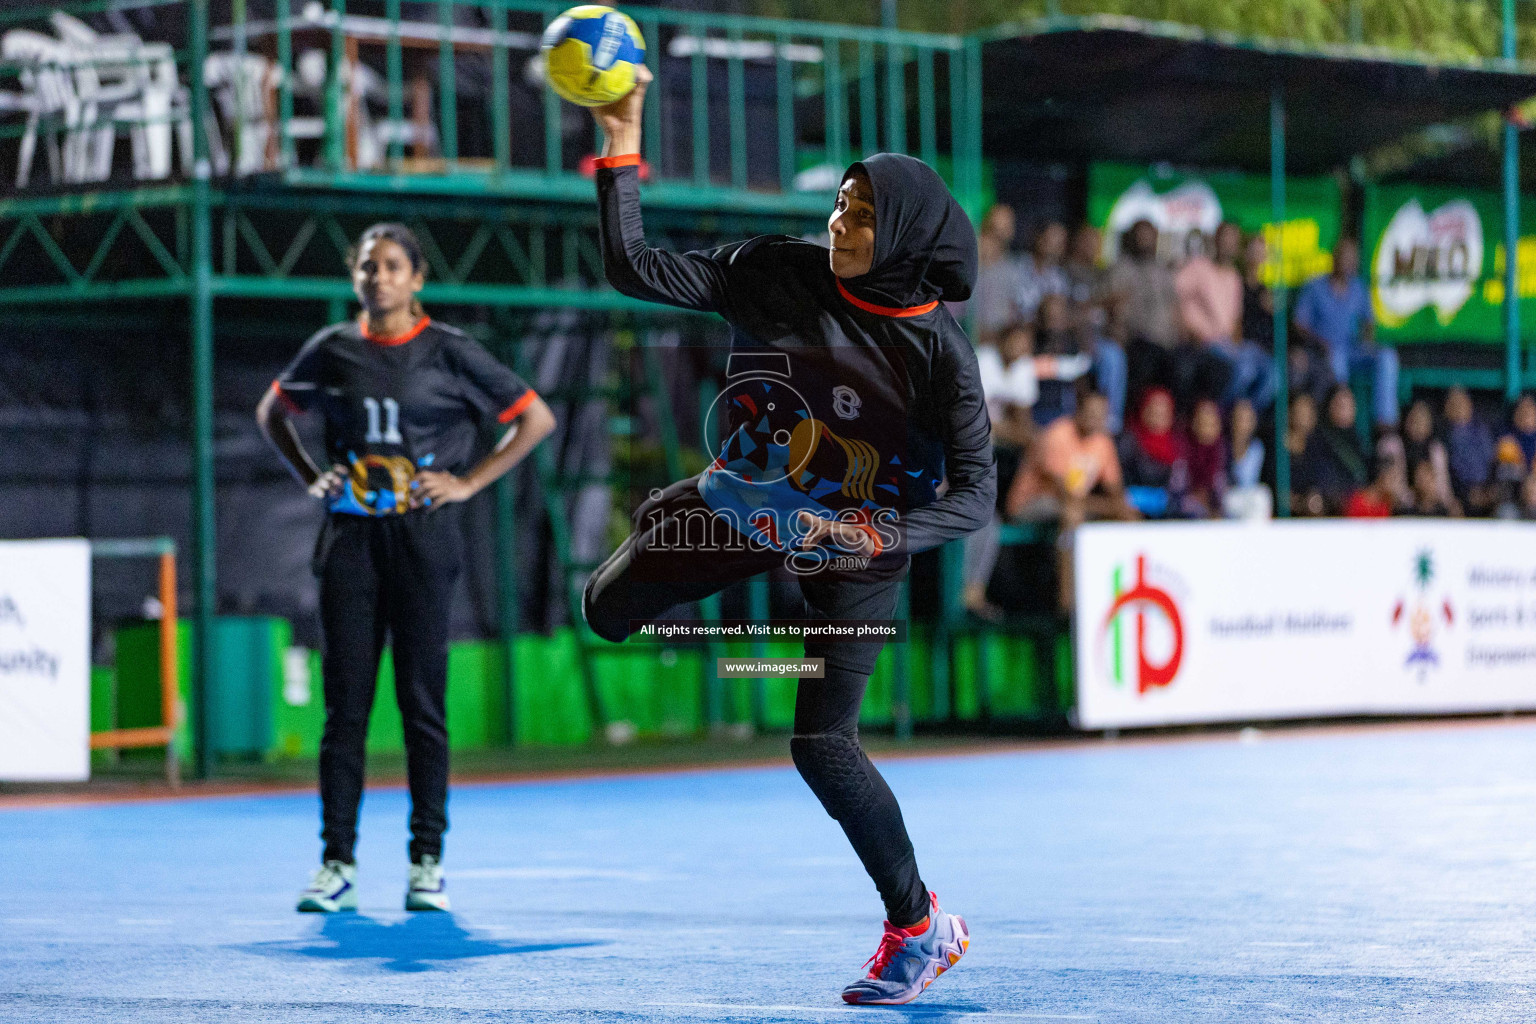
{"points": [[424, 888], [333, 888], [905, 964]]}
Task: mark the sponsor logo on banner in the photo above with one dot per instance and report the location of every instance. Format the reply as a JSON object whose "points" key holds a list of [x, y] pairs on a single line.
{"points": [[1427, 259], [1423, 613], [1141, 640], [1193, 206]]}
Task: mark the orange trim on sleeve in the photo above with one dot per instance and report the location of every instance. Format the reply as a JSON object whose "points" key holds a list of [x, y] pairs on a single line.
{"points": [[282, 396], [874, 536], [625, 160], [421, 325], [517, 408], [870, 307]]}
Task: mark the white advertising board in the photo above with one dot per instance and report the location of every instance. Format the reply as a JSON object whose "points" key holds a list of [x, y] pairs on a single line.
{"points": [[45, 665], [1200, 622]]}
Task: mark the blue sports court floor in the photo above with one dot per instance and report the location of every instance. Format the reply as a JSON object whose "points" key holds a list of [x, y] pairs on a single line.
{"points": [[1380, 874]]}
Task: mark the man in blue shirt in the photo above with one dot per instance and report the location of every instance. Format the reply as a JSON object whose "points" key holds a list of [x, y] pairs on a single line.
{"points": [[1334, 313]]}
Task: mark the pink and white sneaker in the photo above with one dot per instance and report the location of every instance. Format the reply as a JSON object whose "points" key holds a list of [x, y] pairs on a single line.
{"points": [[905, 964]]}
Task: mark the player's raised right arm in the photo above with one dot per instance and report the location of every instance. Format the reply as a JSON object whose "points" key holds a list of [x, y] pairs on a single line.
{"points": [[692, 280]]}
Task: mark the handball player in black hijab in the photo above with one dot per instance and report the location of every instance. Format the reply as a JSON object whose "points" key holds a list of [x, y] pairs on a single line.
{"points": [[856, 435]]}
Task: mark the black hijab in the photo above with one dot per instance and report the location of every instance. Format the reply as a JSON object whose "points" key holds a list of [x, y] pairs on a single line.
{"points": [[925, 247]]}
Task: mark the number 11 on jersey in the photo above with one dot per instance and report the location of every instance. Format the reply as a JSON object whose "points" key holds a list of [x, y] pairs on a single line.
{"points": [[391, 434]]}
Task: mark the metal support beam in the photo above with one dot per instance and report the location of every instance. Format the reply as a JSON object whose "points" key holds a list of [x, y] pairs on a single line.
{"points": [[204, 542], [1511, 230], [1282, 356]]}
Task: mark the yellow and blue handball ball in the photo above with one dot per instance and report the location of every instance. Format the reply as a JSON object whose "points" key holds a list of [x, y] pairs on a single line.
{"points": [[591, 53]]}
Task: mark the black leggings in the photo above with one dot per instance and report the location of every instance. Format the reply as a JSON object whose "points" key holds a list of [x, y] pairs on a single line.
{"points": [[391, 574], [681, 552]]}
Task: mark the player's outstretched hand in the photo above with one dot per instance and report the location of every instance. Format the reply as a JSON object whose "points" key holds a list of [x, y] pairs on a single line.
{"points": [[328, 485], [429, 487], [845, 536], [620, 120]]}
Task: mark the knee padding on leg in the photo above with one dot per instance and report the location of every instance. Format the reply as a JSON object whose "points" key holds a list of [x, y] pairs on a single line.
{"points": [[834, 766], [594, 609]]}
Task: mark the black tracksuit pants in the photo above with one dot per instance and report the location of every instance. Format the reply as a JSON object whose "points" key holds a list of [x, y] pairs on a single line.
{"points": [[675, 556], [386, 576]]}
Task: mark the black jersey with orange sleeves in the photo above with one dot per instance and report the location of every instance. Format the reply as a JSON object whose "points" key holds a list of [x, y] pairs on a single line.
{"points": [[393, 406], [879, 403]]}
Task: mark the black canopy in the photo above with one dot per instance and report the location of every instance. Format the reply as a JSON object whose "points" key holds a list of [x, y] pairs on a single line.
{"points": [[1117, 88]]}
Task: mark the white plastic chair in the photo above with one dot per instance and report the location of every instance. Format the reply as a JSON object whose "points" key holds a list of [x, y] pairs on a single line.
{"points": [[242, 87], [49, 99]]}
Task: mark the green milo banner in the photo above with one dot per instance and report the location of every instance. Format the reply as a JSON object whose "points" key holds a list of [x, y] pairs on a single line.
{"points": [[1179, 202], [1435, 259]]}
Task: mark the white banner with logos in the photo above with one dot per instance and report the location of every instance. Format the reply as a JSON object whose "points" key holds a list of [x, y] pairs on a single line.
{"points": [[45, 664], [1202, 622]]}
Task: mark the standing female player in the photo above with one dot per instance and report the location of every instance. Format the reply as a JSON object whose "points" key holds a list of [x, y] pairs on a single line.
{"points": [[403, 399], [858, 394]]}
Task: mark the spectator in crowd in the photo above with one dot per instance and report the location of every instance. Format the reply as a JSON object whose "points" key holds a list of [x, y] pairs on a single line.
{"points": [[1333, 312], [1143, 309], [1377, 499], [1516, 455], [1427, 500], [1086, 313], [1055, 340], [1469, 444], [1085, 283], [994, 301], [1526, 507], [1072, 475], [1418, 446], [1010, 381], [1306, 456], [1307, 364], [1041, 272], [1150, 447], [1251, 363], [1343, 467], [1210, 312], [1246, 497], [1199, 480]]}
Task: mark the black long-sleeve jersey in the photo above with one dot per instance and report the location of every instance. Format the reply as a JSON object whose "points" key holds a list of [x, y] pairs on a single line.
{"points": [[835, 404]]}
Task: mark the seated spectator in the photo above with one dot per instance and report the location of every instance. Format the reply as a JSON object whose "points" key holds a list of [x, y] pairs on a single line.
{"points": [[1306, 456], [1333, 312], [1469, 444], [1245, 496], [1060, 360], [1379, 498], [1343, 467], [1199, 479], [1221, 364], [1427, 500], [1148, 449], [1085, 282], [1307, 364], [1143, 309], [1041, 273], [1010, 384], [1072, 475], [1526, 506], [1516, 455], [993, 302], [1419, 445]]}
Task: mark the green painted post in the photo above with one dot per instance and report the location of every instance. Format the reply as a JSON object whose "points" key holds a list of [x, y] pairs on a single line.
{"points": [[926, 116], [1511, 231], [1356, 21], [237, 47], [394, 74], [204, 540], [973, 127], [895, 98], [737, 91], [784, 102], [335, 113], [447, 85], [509, 603], [901, 677], [285, 83], [501, 101], [699, 86], [552, 115], [652, 140], [832, 106], [1282, 357], [869, 137], [957, 116]]}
